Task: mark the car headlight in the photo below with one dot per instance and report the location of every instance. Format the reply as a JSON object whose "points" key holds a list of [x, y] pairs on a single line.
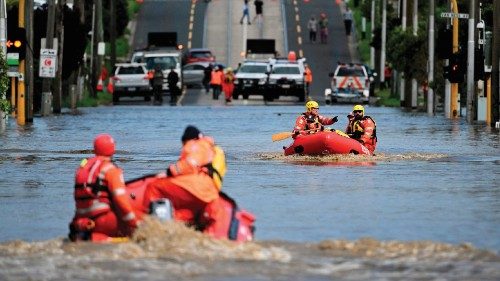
{"points": [[262, 81], [236, 82], [328, 92]]}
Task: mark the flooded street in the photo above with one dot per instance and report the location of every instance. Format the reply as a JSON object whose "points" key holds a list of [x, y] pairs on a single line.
{"points": [[426, 207]]}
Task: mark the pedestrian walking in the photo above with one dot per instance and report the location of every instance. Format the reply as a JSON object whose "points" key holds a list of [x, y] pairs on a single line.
{"points": [[347, 21], [387, 76], [207, 75], [172, 80], [228, 84], [246, 12], [323, 28], [258, 11], [308, 78], [312, 26]]}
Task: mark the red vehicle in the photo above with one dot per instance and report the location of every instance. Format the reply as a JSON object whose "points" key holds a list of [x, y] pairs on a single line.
{"points": [[197, 55]]}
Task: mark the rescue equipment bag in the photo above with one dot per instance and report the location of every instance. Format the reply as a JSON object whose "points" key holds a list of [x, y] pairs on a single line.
{"points": [[217, 169]]}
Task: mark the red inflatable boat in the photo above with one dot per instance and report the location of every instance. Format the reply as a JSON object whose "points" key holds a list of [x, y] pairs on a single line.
{"points": [[324, 143], [234, 224]]}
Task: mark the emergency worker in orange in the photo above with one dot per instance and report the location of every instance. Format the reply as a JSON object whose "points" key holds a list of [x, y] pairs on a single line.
{"points": [[228, 84], [362, 128], [190, 183], [103, 209], [308, 77], [310, 121], [216, 79]]}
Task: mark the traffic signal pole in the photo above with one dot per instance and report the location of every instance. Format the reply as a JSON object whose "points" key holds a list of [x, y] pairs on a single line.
{"points": [[21, 91], [454, 86]]}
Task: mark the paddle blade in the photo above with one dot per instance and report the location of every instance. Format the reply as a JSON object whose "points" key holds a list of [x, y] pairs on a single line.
{"points": [[281, 136]]}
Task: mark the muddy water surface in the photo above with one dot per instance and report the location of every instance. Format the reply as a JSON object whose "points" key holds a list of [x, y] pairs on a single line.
{"points": [[427, 206]]}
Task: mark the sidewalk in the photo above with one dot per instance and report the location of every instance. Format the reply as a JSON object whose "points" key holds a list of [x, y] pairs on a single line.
{"points": [[226, 37]]}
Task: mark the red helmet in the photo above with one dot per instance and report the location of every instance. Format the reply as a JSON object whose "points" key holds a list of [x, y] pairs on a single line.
{"points": [[104, 145]]}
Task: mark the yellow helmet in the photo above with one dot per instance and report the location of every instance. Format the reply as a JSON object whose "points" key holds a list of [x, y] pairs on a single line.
{"points": [[359, 107], [311, 104]]}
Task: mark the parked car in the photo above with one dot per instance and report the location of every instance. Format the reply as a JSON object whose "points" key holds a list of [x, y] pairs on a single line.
{"points": [[286, 78], [350, 83], [193, 73], [251, 78], [197, 55], [130, 80]]}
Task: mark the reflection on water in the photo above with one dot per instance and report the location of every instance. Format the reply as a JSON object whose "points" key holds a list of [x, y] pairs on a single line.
{"points": [[425, 207]]}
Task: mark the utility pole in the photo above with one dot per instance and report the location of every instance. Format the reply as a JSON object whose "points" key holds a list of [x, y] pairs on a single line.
{"points": [[402, 85], [60, 42], [97, 37], [430, 73], [372, 21], [29, 75], [112, 32], [414, 84], [49, 44], [454, 86], [382, 45], [3, 40], [470, 63], [495, 81], [21, 94]]}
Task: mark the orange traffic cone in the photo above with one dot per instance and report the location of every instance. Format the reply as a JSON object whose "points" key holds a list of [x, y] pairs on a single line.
{"points": [[110, 88], [99, 84]]}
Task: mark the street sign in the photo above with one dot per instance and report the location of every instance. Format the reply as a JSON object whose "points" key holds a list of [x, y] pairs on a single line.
{"points": [[12, 58], [454, 15], [48, 63]]}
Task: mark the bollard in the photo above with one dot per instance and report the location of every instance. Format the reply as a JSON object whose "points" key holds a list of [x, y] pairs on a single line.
{"points": [[72, 96], [46, 109]]}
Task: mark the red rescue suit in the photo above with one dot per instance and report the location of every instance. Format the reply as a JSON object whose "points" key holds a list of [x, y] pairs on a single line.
{"points": [[308, 123], [102, 206], [228, 85], [363, 130], [189, 186]]}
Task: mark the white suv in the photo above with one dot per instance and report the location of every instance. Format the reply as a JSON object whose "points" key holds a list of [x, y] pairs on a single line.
{"points": [[350, 83], [286, 78], [131, 80], [166, 59], [250, 78]]}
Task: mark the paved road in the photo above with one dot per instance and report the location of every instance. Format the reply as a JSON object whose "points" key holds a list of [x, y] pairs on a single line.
{"points": [[184, 17], [321, 57]]}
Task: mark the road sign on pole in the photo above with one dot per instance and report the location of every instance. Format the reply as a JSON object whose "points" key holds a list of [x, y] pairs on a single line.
{"points": [[454, 15], [48, 63]]}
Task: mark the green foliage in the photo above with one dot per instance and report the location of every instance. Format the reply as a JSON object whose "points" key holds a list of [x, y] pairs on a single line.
{"points": [[4, 85], [103, 98], [386, 99], [408, 53], [132, 8]]}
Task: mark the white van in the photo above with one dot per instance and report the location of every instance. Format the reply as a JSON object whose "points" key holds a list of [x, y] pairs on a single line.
{"points": [[166, 59]]}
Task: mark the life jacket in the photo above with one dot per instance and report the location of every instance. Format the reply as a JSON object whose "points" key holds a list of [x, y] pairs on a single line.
{"points": [[313, 122], [217, 169], [91, 194], [357, 130]]}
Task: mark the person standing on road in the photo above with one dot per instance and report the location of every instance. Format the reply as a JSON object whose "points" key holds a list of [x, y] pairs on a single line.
{"points": [[246, 12], [258, 11], [323, 28], [207, 74], [172, 80], [311, 122], [347, 21], [362, 128], [216, 82], [312, 26], [228, 84], [103, 210], [308, 77], [387, 76], [157, 83]]}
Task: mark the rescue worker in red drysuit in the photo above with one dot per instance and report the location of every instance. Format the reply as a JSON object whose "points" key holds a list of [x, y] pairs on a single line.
{"points": [[310, 121], [189, 184], [103, 208], [362, 128]]}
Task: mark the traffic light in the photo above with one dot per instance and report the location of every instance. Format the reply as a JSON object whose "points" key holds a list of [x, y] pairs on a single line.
{"points": [[456, 69], [16, 42]]}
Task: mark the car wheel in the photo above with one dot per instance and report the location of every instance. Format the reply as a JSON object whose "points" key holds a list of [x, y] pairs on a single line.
{"points": [[245, 96], [235, 96], [268, 97], [116, 98], [147, 98], [302, 97]]}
